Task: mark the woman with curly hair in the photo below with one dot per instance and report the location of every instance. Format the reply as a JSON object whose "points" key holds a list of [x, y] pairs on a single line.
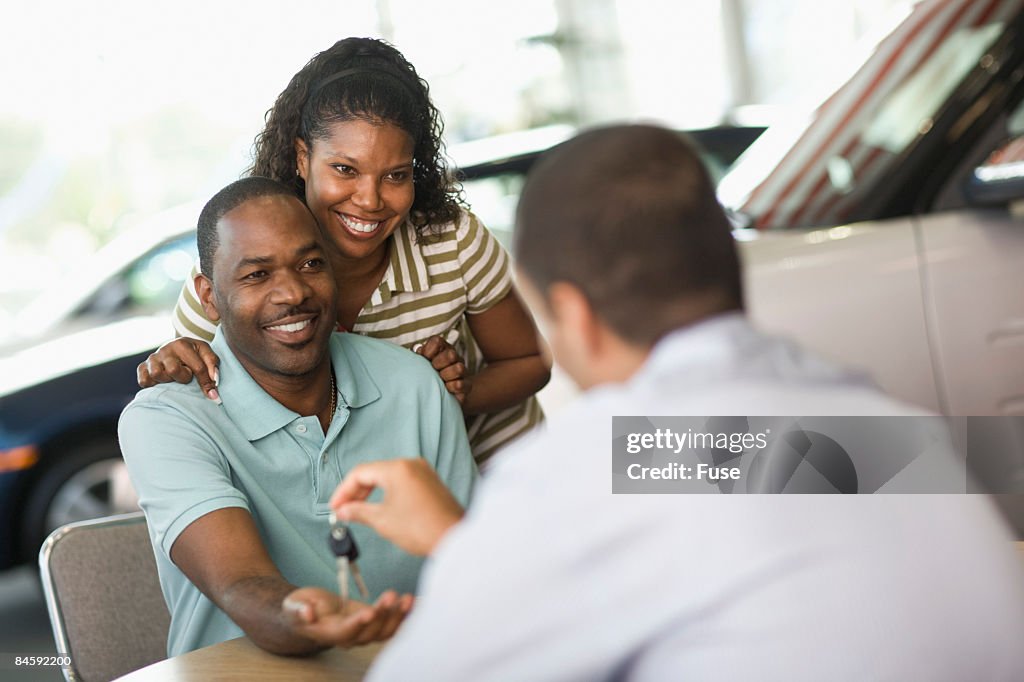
{"points": [[355, 135]]}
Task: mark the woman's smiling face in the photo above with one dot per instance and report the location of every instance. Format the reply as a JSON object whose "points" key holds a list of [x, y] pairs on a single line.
{"points": [[359, 184]]}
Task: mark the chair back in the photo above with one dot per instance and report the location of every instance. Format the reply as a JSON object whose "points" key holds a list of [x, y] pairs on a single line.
{"points": [[103, 595]]}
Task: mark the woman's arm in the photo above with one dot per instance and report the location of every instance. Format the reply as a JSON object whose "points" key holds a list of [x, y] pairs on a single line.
{"points": [[180, 360], [515, 369]]}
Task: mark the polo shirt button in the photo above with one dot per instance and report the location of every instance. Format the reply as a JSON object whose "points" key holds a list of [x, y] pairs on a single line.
{"points": [[301, 428]]}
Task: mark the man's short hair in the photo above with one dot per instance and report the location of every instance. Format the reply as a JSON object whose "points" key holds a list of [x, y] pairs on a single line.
{"points": [[628, 214], [229, 198]]}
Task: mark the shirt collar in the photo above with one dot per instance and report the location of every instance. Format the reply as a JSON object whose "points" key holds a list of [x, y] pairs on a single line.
{"points": [[257, 414], [728, 345], [407, 266]]}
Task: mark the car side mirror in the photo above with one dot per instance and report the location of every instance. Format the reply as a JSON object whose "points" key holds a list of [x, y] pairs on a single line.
{"points": [[1000, 179]]}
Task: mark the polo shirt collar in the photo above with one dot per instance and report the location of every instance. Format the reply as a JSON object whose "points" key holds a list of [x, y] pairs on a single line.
{"points": [[407, 266], [257, 414]]}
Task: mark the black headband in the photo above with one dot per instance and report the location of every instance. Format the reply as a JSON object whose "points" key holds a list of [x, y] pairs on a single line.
{"points": [[356, 70]]}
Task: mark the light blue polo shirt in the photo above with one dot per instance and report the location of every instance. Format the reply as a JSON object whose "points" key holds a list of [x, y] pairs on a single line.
{"points": [[188, 456]]}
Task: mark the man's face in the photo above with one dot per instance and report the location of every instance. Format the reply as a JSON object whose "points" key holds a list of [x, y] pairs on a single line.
{"points": [[272, 290]]}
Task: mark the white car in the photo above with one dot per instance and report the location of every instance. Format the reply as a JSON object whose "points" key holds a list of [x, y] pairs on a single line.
{"points": [[884, 230]]}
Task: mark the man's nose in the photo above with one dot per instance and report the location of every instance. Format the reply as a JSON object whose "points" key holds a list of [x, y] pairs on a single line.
{"points": [[367, 195], [291, 289]]}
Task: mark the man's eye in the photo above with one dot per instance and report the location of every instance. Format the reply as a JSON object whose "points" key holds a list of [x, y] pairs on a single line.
{"points": [[314, 264], [255, 275]]}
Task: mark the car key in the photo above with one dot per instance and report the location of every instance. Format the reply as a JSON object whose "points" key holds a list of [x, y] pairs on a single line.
{"points": [[343, 545]]}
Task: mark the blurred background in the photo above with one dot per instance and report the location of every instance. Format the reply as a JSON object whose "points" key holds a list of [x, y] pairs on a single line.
{"points": [[119, 119], [113, 111]]}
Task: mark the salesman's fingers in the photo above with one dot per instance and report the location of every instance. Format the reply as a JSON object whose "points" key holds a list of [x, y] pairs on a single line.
{"points": [[360, 482], [366, 513]]}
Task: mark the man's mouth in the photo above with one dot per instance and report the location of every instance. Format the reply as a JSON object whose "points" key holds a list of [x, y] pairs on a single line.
{"points": [[291, 328], [360, 227]]}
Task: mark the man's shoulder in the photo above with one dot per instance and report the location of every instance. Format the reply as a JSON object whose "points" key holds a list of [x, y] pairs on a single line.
{"points": [[384, 358], [186, 399]]}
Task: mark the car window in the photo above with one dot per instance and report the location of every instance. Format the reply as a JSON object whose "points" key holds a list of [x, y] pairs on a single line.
{"points": [[854, 137], [151, 284]]}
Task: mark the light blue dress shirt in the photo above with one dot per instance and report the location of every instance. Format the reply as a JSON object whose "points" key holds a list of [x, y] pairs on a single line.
{"points": [[188, 456]]}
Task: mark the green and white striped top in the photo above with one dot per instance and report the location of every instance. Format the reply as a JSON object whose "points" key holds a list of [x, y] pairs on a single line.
{"points": [[431, 284]]}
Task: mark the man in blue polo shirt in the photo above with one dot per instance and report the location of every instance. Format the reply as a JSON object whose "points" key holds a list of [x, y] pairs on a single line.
{"points": [[235, 492]]}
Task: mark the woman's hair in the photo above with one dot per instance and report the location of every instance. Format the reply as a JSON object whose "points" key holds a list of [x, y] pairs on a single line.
{"points": [[360, 79]]}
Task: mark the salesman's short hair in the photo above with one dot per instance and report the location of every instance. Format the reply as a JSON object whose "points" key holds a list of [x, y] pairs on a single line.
{"points": [[628, 214]]}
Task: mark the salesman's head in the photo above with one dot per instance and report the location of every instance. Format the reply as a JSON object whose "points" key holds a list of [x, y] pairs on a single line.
{"points": [[620, 240], [265, 278]]}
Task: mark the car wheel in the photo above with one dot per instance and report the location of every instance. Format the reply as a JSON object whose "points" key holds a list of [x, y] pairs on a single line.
{"points": [[85, 481]]}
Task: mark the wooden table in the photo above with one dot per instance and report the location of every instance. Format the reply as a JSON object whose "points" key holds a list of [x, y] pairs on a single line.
{"points": [[240, 659]]}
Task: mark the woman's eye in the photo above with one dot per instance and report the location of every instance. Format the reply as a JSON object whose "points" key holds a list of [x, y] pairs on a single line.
{"points": [[398, 176], [344, 170]]}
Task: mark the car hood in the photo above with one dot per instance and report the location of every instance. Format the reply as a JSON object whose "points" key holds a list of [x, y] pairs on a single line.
{"points": [[46, 360]]}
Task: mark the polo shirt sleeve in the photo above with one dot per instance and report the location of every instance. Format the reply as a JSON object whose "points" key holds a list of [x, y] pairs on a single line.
{"points": [[484, 264], [178, 471], [453, 459], [189, 318]]}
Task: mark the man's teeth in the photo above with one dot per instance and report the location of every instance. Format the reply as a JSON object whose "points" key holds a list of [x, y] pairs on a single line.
{"points": [[294, 327], [359, 225]]}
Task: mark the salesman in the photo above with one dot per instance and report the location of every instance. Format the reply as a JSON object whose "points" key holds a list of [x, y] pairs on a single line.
{"points": [[627, 259]]}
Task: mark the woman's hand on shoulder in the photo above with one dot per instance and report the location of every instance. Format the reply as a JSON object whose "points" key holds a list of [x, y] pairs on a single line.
{"points": [[449, 365], [180, 360]]}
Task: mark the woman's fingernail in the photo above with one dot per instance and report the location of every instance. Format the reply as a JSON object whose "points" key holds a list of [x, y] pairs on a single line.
{"points": [[216, 377], [215, 396]]}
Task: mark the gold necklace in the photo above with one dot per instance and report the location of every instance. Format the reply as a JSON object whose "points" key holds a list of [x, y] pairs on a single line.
{"points": [[334, 396]]}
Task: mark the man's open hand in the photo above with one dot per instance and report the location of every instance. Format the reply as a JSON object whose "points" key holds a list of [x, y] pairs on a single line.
{"points": [[318, 614]]}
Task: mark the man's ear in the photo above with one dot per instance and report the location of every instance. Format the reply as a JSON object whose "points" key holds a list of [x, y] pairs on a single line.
{"points": [[204, 288], [301, 158], [573, 314]]}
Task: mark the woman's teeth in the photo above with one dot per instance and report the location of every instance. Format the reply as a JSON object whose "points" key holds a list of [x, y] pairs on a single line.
{"points": [[359, 225], [294, 327]]}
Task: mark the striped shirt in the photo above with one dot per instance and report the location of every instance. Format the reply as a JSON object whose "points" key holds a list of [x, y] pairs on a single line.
{"points": [[431, 284]]}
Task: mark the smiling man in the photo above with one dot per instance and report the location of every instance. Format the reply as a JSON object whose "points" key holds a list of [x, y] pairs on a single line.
{"points": [[236, 492]]}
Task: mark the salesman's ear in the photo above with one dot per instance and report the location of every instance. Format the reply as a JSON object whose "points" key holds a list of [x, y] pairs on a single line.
{"points": [[204, 288], [573, 316]]}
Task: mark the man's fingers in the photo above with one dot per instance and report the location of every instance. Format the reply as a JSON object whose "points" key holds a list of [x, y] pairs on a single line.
{"points": [[397, 616], [382, 611]]}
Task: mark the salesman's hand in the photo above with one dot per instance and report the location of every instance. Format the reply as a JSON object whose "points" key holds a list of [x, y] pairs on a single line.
{"points": [[318, 614], [416, 511]]}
